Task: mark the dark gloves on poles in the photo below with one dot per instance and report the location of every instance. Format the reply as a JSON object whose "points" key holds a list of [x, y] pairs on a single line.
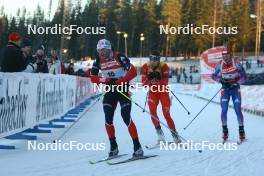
{"points": [[225, 82], [154, 76]]}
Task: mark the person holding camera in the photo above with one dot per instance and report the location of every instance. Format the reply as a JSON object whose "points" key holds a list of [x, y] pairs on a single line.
{"points": [[42, 65]]}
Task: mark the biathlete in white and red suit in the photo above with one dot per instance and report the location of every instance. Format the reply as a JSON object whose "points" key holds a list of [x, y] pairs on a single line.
{"points": [[116, 69], [230, 73]]}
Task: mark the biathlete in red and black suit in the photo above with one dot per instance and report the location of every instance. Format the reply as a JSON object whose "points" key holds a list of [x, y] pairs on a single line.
{"points": [[116, 69]]}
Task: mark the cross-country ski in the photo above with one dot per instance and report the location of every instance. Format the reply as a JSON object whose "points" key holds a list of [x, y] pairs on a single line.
{"points": [[134, 158], [107, 159]]}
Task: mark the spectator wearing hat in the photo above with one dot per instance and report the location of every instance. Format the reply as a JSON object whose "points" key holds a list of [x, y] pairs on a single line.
{"points": [[70, 69], [26, 47], [12, 59], [42, 64], [191, 79], [26, 50]]}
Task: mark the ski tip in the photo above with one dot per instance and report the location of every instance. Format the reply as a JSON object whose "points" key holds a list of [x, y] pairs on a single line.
{"points": [[240, 142], [107, 159], [132, 159], [109, 163], [151, 147], [225, 140]]}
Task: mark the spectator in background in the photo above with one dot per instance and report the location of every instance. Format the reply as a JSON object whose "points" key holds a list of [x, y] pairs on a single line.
{"points": [[26, 50], [185, 77], [70, 69], [170, 74], [247, 65], [55, 56], [172, 71], [12, 59], [178, 78], [81, 73], [55, 68], [191, 79], [42, 65]]}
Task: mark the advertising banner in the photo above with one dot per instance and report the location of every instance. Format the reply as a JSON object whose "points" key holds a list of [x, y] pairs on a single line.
{"points": [[28, 99]]}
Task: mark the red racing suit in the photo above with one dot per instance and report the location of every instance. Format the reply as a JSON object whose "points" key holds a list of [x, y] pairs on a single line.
{"points": [[158, 93]]}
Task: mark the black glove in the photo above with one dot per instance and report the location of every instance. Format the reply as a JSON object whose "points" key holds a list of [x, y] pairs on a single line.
{"points": [[225, 82], [40, 64], [112, 81], [154, 75]]}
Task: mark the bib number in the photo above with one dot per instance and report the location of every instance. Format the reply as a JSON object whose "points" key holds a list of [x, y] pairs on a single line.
{"points": [[111, 74]]}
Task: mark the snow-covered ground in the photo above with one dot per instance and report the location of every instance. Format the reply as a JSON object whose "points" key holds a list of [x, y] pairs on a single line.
{"points": [[247, 160]]}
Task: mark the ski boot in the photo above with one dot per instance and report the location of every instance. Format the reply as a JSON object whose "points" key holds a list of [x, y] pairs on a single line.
{"points": [[138, 152], [113, 149], [242, 135], [225, 133], [161, 137], [176, 137]]}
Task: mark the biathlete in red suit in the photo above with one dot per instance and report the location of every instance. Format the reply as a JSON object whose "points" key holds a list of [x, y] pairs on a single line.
{"points": [[155, 74], [230, 73], [116, 69]]}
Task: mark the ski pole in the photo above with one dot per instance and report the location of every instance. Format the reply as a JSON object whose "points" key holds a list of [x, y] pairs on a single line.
{"points": [[156, 118], [70, 127], [145, 103], [145, 99], [180, 102], [202, 110]]}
